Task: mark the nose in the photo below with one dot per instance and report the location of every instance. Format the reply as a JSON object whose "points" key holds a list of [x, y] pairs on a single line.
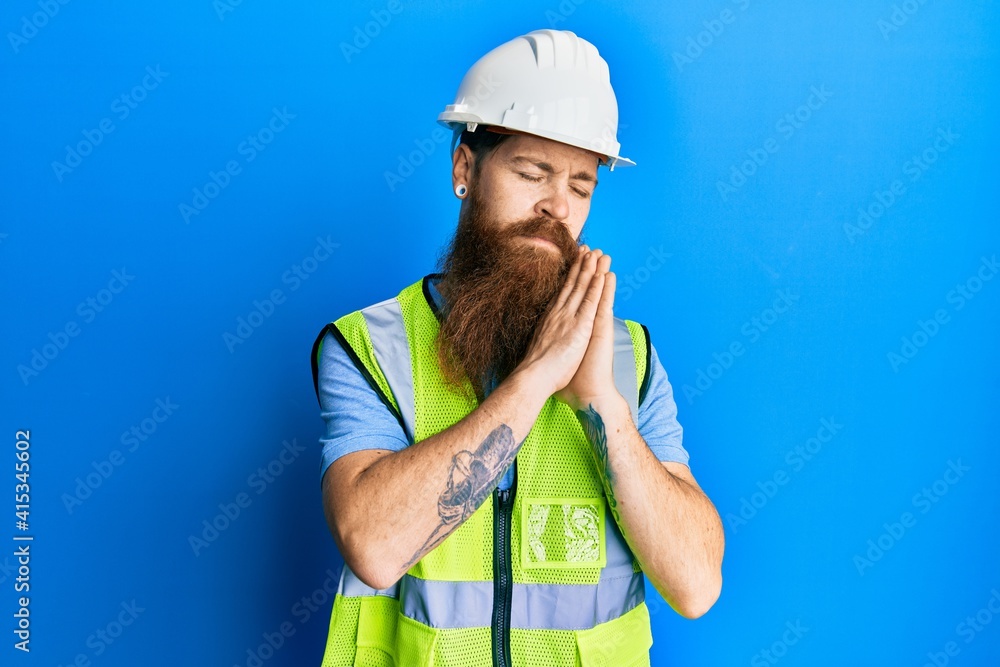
{"points": [[554, 204]]}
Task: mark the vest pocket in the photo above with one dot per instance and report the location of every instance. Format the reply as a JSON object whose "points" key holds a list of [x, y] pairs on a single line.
{"points": [[376, 643], [563, 533], [623, 642], [414, 642]]}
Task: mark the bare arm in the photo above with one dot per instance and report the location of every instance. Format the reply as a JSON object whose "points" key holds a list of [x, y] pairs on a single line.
{"points": [[670, 524], [387, 509]]}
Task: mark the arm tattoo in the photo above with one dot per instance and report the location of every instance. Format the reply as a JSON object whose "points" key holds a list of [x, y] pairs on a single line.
{"points": [[593, 426], [471, 479]]}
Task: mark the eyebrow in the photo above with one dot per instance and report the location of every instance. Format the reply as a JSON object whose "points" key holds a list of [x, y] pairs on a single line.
{"points": [[546, 167]]}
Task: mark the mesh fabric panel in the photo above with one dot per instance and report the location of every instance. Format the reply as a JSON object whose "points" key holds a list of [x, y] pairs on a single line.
{"points": [[554, 462], [639, 349], [340, 641], [377, 631], [552, 648], [374, 648], [460, 556], [623, 642], [464, 647]]}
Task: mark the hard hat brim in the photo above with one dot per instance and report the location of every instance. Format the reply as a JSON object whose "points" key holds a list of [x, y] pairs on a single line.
{"points": [[450, 121]]}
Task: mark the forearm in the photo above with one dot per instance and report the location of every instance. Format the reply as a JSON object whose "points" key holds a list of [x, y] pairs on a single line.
{"points": [[408, 502], [671, 526]]}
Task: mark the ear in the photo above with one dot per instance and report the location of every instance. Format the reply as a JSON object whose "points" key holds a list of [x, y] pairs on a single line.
{"points": [[461, 167]]}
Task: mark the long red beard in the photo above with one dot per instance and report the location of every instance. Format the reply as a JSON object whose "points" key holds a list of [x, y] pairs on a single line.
{"points": [[496, 288]]}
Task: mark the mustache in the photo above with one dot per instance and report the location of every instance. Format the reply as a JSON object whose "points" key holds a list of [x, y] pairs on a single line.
{"points": [[544, 228]]}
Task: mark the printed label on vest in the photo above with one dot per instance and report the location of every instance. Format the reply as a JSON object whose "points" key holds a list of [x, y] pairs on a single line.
{"points": [[562, 533]]}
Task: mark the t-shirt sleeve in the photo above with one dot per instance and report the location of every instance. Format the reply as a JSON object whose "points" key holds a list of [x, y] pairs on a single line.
{"points": [[658, 423], [355, 417]]}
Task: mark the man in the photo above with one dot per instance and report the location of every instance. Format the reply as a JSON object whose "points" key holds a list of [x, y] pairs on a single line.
{"points": [[484, 476]]}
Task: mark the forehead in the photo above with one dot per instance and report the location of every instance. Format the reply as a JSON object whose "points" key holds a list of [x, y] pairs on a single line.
{"points": [[559, 156]]}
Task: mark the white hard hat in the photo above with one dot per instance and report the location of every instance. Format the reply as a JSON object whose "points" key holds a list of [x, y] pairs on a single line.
{"points": [[548, 83]]}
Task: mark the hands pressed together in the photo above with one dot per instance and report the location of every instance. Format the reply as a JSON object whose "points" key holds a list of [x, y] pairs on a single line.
{"points": [[574, 341]]}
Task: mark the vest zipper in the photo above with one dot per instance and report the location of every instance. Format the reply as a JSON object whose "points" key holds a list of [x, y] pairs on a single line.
{"points": [[503, 506]]}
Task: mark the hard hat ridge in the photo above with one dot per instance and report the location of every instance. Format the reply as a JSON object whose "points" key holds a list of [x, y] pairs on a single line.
{"points": [[548, 83]]}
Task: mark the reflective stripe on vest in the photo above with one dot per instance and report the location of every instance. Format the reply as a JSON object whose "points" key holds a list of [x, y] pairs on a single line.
{"points": [[388, 336], [469, 604], [624, 368], [352, 587]]}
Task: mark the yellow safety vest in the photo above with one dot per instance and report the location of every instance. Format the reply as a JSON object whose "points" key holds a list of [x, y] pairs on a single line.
{"points": [[540, 575]]}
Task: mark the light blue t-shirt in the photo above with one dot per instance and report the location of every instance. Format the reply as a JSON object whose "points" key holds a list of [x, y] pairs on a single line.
{"points": [[357, 419]]}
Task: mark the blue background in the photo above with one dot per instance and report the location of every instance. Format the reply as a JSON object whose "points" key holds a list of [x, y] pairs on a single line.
{"points": [[691, 112]]}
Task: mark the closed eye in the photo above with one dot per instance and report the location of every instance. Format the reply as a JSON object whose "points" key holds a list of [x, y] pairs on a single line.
{"points": [[582, 194]]}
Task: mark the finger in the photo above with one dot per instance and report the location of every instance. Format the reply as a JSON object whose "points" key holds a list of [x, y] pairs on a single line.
{"points": [[604, 263], [571, 277], [605, 309], [583, 280], [590, 300], [604, 326]]}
